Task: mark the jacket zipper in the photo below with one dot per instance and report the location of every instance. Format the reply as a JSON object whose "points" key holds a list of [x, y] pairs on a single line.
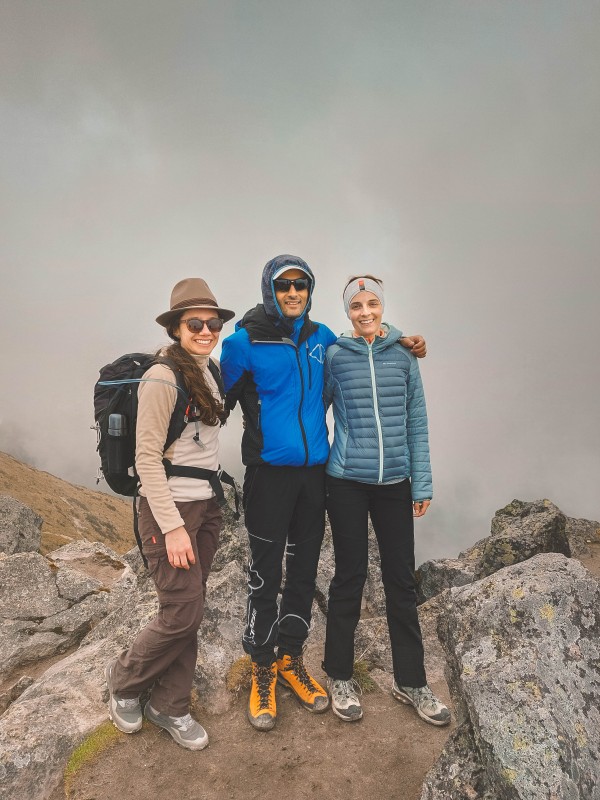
{"points": [[376, 406], [309, 367], [303, 432]]}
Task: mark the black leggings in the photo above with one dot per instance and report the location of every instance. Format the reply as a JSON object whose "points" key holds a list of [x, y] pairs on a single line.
{"points": [[349, 504]]}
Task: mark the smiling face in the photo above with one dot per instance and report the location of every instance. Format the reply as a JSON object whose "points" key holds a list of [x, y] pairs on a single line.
{"points": [[292, 302], [197, 344], [365, 314]]}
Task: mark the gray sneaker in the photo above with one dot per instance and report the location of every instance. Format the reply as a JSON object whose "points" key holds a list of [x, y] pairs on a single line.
{"points": [[185, 730], [344, 699], [125, 713], [426, 704]]}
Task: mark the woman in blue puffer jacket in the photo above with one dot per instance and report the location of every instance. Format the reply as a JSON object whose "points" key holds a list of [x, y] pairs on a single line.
{"points": [[378, 467]]}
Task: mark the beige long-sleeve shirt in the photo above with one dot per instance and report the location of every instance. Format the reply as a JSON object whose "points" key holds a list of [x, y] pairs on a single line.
{"points": [[157, 395]]}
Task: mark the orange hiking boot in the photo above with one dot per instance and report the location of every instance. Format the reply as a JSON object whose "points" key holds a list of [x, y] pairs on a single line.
{"points": [[292, 673], [261, 706]]}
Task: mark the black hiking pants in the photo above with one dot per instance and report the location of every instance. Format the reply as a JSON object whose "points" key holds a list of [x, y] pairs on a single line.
{"points": [[349, 504], [285, 518]]}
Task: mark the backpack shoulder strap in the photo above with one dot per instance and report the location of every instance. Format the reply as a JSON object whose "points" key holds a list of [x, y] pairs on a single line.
{"points": [[214, 370], [178, 417]]}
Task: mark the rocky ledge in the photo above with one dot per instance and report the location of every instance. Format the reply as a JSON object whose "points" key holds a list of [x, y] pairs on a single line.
{"points": [[517, 621]]}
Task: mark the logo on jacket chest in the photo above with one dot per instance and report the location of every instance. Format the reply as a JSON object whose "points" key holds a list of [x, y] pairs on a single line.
{"points": [[318, 353]]}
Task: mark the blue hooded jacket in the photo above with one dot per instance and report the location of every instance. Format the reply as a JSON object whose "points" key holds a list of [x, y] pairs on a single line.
{"points": [[273, 366]]}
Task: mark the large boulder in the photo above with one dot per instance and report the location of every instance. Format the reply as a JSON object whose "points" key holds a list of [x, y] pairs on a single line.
{"points": [[41, 728], [49, 605], [38, 621], [20, 527], [521, 530], [523, 654]]}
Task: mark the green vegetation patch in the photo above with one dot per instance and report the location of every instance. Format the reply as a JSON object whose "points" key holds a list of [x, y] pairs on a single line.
{"points": [[362, 677], [98, 741]]}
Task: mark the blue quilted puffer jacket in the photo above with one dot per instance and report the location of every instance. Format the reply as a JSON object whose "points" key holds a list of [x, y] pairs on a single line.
{"points": [[379, 411]]}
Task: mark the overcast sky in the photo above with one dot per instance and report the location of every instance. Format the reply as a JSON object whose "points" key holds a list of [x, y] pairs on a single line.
{"points": [[450, 147]]}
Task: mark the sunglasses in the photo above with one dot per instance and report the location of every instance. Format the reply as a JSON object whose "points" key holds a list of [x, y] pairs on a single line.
{"points": [[284, 284], [195, 325]]}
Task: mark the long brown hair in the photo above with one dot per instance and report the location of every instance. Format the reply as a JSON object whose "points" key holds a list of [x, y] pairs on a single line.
{"points": [[209, 410]]}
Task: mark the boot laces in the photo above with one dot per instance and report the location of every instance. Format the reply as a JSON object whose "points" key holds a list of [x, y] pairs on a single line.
{"points": [[264, 680], [297, 666], [425, 698], [183, 723], [347, 690]]}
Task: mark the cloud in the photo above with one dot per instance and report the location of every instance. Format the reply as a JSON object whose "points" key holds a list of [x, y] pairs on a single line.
{"points": [[450, 148]]}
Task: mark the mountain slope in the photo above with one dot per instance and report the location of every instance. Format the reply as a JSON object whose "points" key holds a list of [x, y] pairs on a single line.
{"points": [[69, 512]]}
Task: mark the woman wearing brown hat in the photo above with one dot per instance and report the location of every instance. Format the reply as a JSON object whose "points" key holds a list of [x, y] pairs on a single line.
{"points": [[179, 518]]}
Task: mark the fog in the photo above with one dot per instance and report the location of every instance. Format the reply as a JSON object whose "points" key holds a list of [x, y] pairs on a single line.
{"points": [[449, 147]]}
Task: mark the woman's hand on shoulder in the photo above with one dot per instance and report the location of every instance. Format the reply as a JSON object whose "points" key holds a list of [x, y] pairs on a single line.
{"points": [[179, 548], [416, 344], [420, 507]]}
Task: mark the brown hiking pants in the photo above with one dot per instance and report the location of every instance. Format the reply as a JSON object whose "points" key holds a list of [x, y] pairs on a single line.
{"points": [[164, 653]]}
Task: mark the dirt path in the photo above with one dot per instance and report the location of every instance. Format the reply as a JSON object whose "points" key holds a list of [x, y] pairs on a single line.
{"points": [[384, 756]]}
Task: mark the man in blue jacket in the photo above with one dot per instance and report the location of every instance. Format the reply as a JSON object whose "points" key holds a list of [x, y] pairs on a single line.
{"points": [[273, 366]]}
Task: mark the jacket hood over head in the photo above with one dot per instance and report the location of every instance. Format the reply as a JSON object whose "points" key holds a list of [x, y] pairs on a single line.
{"points": [[271, 306]]}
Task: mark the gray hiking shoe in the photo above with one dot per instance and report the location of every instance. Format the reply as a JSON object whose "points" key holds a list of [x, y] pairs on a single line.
{"points": [[185, 730], [344, 699], [125, 713], [425, 703]]}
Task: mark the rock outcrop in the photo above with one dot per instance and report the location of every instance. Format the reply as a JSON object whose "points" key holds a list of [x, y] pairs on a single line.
{"points": [[519, 531], [46, 609], [20, 527], [86, 594], [523, 654], [521, 645]]}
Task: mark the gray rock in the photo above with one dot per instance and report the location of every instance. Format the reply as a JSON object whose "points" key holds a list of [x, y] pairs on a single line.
{"points": [[48, 609], [14, 692], [373, 594], [93, 559], [20, 527], [458, 773], [523, 653], [133, 558], [74, 586], [220, 635], [433, 577], [233, 545], [581, 533], [42, 727], [21, 642], [28, 588], [520, 531]]}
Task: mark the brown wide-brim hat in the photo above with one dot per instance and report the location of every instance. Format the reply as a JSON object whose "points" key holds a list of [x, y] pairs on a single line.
{"points": [[192, 293]]}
